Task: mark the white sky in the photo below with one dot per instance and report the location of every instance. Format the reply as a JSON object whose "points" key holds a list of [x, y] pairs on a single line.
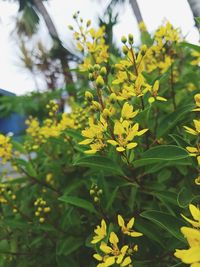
{"points": [[16, 79]]}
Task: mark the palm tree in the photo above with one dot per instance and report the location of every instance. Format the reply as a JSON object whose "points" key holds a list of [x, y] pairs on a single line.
{"points": [[27, 24], [195, 8]]}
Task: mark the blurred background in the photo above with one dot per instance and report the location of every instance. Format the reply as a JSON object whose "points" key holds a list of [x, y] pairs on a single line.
{"points": [[37, 46]]}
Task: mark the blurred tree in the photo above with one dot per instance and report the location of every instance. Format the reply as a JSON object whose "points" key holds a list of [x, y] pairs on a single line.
{"points": [[134, 6], [195, 8], [27, 25]]}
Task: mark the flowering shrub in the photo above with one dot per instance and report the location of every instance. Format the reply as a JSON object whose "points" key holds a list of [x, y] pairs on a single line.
{"points": [[124, 163]]}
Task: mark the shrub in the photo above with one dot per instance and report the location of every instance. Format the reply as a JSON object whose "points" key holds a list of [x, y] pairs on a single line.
{"points": [[124, 163]]}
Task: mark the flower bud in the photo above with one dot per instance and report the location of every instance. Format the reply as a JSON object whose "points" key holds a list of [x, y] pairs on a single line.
{"points": [[123, 39], [130, 38], [106, 113], [91, 77], [125, 50], [92, 192], [88, 96], [99, 81], [103, 71], [88, 23], [70, 28], [96, 67], [96, 199]]}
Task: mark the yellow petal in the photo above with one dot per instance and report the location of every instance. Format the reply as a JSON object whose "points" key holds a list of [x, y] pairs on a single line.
{"points": [[190, 130], [131, 223], [112, 142], [190, 255], [126, 261], [192, 149], [142, 132], [160, 98], [113, 238], [135, 234], [97, 257], [106, 249], [120, 221], [109, 261], [131, 145], [120, 149], [195, 212], [86, 142]]}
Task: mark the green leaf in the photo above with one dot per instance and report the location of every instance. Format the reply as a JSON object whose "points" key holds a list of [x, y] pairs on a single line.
{"points": [[68, 245], [161, 153], [78, 202], [185, 197], [19, 147], [100, 164], [165, 221], [192, 46], [170, 120]]}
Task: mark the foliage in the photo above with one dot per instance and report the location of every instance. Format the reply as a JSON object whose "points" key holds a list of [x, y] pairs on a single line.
{"points": [[124, 163]]}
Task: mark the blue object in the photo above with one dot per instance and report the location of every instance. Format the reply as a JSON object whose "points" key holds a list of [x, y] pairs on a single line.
{"points": [[14, 122]]}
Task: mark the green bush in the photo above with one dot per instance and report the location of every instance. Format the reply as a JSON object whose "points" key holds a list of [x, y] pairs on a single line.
{"points": [[124, 162]]}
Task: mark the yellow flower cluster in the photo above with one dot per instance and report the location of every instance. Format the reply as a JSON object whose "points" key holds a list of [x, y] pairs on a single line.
{"points": [[156, 56], [5, 148], [90, 41], [196, 61], [42, 209], [112, 251], [50, 128], [192, 234]]}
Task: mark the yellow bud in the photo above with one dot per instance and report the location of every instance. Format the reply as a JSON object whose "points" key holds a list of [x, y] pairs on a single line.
{"points": [[106, 113], [125, 50], [103, 71], [70, 28], [130, 38], [39, 209], [92, 192], [124, 39], [88, 96], [96, 67], [88, 23], [96, 199], [41, 220], [47, 209], [99, 81], [37, 213], [13, 197], [14, 210]]}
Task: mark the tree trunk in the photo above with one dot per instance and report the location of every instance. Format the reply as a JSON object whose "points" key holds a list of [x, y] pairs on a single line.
{"points": [[136, 10], [49, 23], [54, 34], [195, 8]]}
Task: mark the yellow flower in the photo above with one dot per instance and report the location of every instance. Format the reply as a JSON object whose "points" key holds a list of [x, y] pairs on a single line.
{"points": [[191, 255], [127, 111], [94, 135], [125, 133], [116, 255], [197, 128], [195, 214], [194, 152], [127, 229], [197, 101], [101, 232], [154, 92]]}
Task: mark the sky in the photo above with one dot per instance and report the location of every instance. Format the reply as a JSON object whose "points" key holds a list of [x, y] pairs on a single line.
{"points": [[15, 78]]}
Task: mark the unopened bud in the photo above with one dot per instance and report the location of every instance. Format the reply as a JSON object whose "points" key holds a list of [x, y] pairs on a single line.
{"points": [[130, 38], [124, 39], [99, 81], [125, 50], [103, 71]]}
